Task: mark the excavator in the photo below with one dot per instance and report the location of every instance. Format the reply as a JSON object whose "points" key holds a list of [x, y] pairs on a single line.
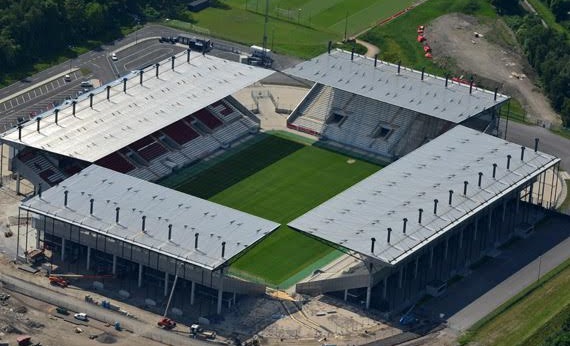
{"points": [[61, 279]]}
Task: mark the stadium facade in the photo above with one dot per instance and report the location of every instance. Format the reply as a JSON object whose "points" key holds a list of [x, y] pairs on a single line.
{"points": [[453, 194]]}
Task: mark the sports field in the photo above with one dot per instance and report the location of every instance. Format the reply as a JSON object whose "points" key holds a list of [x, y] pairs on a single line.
{"points": [[278, 179], [295, 27]]}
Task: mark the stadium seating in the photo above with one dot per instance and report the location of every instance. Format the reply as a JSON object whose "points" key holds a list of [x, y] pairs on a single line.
{"points": [[358, 122], [41, 167], [224, 110], [180, 132], [208, 119], [116, 162]]}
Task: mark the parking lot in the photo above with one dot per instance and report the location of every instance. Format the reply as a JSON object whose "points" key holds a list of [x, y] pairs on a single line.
{"points": [[35, 94]]}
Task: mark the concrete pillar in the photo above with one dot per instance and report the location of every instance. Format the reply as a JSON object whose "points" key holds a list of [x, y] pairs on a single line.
{"points": [[385, 288], [62, 249], [1, 162], [530, 194], [370, 284], [368, 296], [139, 283], [504, 210], [165, 284], [220, 292], [492, 235], [416, 268], [37, 236], [114, 270], [346, 294], [88, 258], [192, 290], [17, 183]]}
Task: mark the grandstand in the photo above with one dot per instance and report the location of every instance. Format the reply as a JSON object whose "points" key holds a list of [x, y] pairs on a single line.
{"points": [[142, 228], [147, 124], [134, 130], [385, 110], [428, 216]]}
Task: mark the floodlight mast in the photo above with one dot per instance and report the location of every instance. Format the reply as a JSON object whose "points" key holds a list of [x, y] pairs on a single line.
{"points": [[264, 44]]}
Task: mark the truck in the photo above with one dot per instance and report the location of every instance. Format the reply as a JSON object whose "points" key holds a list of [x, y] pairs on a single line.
{"points": [[260, 56], [197, 332]]}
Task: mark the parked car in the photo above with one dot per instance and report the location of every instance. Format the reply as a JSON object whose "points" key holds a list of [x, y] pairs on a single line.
{"points": [[67, 78], [114, 57], [80, 316]]}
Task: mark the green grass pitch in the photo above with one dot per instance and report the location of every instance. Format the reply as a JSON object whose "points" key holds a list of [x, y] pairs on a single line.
{"points": [[315, 21], [278, 179]]}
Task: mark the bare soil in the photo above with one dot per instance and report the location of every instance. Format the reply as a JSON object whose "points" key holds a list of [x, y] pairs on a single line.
{"points": [[493, 57]]}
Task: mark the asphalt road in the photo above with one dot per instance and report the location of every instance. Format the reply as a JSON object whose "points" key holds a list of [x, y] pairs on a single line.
{"points": [[500, 278], [550, 143], [134, 51]]}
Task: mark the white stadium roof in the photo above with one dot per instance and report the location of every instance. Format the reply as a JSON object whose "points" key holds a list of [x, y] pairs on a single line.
{"points": [[383, 83], [367, 209], [161, 206], [95, 132]]}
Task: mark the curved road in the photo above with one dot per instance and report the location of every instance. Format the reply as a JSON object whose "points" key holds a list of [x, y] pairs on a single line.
{"points": [[550, 143]]}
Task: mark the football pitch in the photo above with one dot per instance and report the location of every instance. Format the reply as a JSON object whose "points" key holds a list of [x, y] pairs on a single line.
{"points": [[315, 21], [331, 15], [277, 179]]}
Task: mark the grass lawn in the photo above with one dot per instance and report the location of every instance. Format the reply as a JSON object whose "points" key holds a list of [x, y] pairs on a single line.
{"points": [[516, 112], [547, 15], [566, 204], [562, 131], [278, 179], [296, 27], [397, 39], [522, 318]]}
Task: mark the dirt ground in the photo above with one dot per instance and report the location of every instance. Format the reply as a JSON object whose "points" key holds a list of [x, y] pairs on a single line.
{"points": [[320, 319], [452, 36], [21, 315]]}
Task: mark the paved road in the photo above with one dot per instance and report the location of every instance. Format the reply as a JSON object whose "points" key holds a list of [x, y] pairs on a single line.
{"points": [[500, 278], [549, 142]]}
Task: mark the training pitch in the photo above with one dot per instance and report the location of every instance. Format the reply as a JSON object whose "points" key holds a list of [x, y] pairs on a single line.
{"points": [[277, 179]]}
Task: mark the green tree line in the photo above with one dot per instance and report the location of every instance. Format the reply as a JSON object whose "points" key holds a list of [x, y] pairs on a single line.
{"points": [[560, 9], [547, 50], [32, 30]]}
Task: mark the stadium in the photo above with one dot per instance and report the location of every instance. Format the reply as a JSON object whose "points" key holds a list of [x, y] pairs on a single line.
{"points": [[164, 179]]}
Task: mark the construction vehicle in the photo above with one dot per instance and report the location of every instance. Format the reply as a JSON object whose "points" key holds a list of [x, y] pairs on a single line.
{"points": [[197, 332], [62, 281], [35, 257], [167, 323], [57, 281]]}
